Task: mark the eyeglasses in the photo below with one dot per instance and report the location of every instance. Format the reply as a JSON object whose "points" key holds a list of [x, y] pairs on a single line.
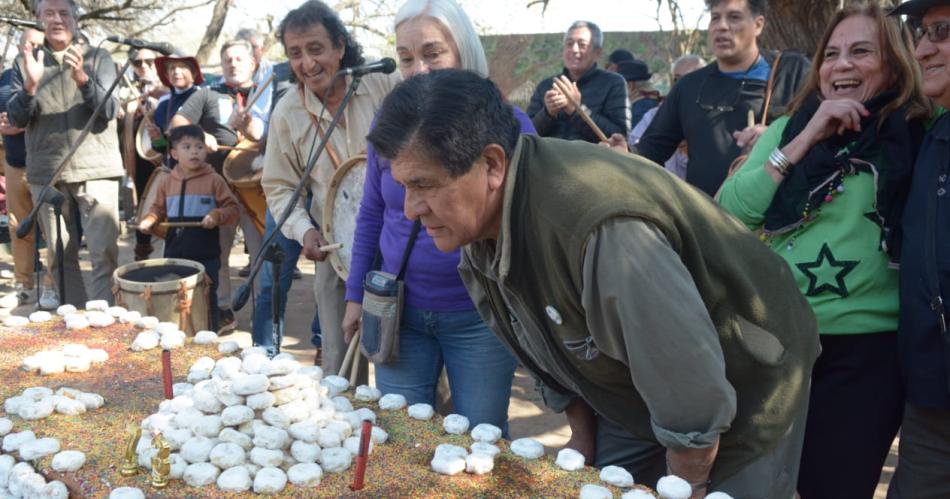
{"points": [[936, 32], [139, 62], [747, 90]]}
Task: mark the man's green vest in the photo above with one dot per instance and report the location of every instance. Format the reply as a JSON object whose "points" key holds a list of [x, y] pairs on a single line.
{"points": [[557, 194]]}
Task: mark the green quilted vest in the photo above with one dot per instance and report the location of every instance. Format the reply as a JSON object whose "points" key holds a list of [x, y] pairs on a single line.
{"points": [[557, 194]]}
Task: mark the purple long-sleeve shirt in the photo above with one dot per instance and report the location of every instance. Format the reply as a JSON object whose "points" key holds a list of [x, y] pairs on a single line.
{"points": [[432, 280]]}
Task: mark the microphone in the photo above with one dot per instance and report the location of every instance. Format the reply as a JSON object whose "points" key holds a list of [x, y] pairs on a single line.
{"points": [[160, 47], [386, 65], [21, 23]]}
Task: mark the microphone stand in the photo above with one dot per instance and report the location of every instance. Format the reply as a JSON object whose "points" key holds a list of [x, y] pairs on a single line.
{"points": [[56, 198], [269, 246]]}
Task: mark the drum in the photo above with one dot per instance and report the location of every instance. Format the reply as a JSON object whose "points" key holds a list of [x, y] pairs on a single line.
{"points": [[340, 210], [143, 144], [147, 199], [246, 182], [171, 289]]}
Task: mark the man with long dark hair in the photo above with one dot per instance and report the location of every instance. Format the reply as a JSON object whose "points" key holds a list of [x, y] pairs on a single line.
{"points": [[318, 46]]}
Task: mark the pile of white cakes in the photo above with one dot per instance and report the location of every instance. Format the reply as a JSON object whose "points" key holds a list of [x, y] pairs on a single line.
{"points": [[254, 423], [98, 313], [40, 402], [668, 487], [18, 478], [73, 358], [452, 459], [166, 335]]}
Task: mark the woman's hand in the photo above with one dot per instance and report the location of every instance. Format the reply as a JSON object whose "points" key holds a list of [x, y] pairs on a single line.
{"points": [[352, 320], [835, 117]]}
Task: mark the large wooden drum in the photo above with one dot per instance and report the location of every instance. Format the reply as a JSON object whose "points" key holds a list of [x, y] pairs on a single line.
{"points": [[246, 182], [171, 289]]}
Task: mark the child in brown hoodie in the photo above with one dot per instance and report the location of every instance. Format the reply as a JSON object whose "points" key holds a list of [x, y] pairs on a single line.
{"points": [[193, 192]]}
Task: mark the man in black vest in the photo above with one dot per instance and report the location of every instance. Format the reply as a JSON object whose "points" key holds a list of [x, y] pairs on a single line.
{"points": [[672, 336], [709, 108]]}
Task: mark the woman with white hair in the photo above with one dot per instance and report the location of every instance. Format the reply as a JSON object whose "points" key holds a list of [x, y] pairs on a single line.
{"points": [[440, 326]]}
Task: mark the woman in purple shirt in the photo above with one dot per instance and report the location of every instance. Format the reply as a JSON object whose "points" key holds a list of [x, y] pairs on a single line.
{"points": [[440, 326]]}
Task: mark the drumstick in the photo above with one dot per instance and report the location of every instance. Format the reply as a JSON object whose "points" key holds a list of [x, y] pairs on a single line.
{"points": [[355, 367], [330, 247], [750, 119], [172, 225], [260, 91], [235, 148], [569, 93], [349, 353]]}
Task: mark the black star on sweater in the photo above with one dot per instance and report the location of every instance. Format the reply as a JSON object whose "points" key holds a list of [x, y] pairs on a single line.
{"points": [[825, 268]]}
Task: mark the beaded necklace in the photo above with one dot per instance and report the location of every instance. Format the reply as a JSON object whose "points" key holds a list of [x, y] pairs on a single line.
{"points": [[833, 186]]}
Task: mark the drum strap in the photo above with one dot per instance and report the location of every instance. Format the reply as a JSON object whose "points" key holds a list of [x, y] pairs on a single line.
{"points": [[334, 156]]}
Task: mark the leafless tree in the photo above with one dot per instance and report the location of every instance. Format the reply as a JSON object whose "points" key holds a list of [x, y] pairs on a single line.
{"points": [[799, 24], [130, 18], [210, 39]]}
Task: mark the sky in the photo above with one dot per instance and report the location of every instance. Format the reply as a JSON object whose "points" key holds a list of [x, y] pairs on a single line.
{"points": [[490, 16]]}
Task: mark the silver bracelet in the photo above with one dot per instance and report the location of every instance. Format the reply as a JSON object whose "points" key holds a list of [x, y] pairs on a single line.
{"points": [[780, 161]]}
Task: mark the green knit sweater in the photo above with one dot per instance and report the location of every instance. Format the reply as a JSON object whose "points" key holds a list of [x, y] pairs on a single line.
{"points": [[836, 258]]}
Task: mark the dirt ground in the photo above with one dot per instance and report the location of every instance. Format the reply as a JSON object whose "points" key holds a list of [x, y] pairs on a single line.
{"points": [[527, 415]]}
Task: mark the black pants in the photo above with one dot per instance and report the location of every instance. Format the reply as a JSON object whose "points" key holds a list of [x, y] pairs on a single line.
{"points": [[857, 402], [143, 171]]}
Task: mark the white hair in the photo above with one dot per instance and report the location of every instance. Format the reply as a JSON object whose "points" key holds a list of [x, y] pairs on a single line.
{"points": [[458, 25], [688, 58]]}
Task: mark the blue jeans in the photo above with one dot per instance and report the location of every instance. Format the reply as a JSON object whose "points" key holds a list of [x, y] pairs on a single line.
{"points": [[480, 368], [263, 303]]}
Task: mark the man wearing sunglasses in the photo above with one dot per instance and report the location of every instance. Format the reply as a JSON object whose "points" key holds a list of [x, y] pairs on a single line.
{"points": [[709, 108], [924, 340]]}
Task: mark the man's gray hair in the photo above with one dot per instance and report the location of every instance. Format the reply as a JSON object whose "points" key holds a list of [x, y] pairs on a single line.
{"points": [[237, 43], [73, 6], [688, 58], [596, 35], [456, 23], [250, 35]]}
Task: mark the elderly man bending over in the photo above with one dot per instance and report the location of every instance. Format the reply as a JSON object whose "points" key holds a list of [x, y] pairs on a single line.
{"points": [[673, 337]]}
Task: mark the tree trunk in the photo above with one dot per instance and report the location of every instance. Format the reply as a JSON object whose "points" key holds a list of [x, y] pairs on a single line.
{"points": [[214, 30], [799, 24]]}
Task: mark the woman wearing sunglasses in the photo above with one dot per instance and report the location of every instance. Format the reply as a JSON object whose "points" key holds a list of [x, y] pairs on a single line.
{"points": [[826, 185]]}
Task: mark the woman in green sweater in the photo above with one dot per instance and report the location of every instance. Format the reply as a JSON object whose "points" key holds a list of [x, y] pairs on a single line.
{"points": [[826, 185]]}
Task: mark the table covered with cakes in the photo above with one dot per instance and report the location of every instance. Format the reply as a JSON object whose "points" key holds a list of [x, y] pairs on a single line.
{"points": [[106, 402]]}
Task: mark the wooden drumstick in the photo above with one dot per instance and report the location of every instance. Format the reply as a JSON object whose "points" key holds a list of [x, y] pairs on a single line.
{"points": [[750, 119], [172, 225], [355, 367], [569, 93], [350, 350], [330, 247], [236, 148], [260, 91]]}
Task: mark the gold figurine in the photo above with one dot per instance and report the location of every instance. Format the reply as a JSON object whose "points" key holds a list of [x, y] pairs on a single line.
{"points": [[161, 464], [131, 466]]}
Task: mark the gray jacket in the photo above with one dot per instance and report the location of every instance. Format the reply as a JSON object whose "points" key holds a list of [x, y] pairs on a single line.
{"points": [[55, 116]]}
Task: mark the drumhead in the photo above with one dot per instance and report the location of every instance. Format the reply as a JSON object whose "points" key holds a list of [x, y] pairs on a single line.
{"points": [[143, 145], [340, 211]]}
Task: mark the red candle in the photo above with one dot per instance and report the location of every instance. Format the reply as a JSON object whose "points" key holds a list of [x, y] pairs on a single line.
{"points": [[366, 432], [167, 373]]}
